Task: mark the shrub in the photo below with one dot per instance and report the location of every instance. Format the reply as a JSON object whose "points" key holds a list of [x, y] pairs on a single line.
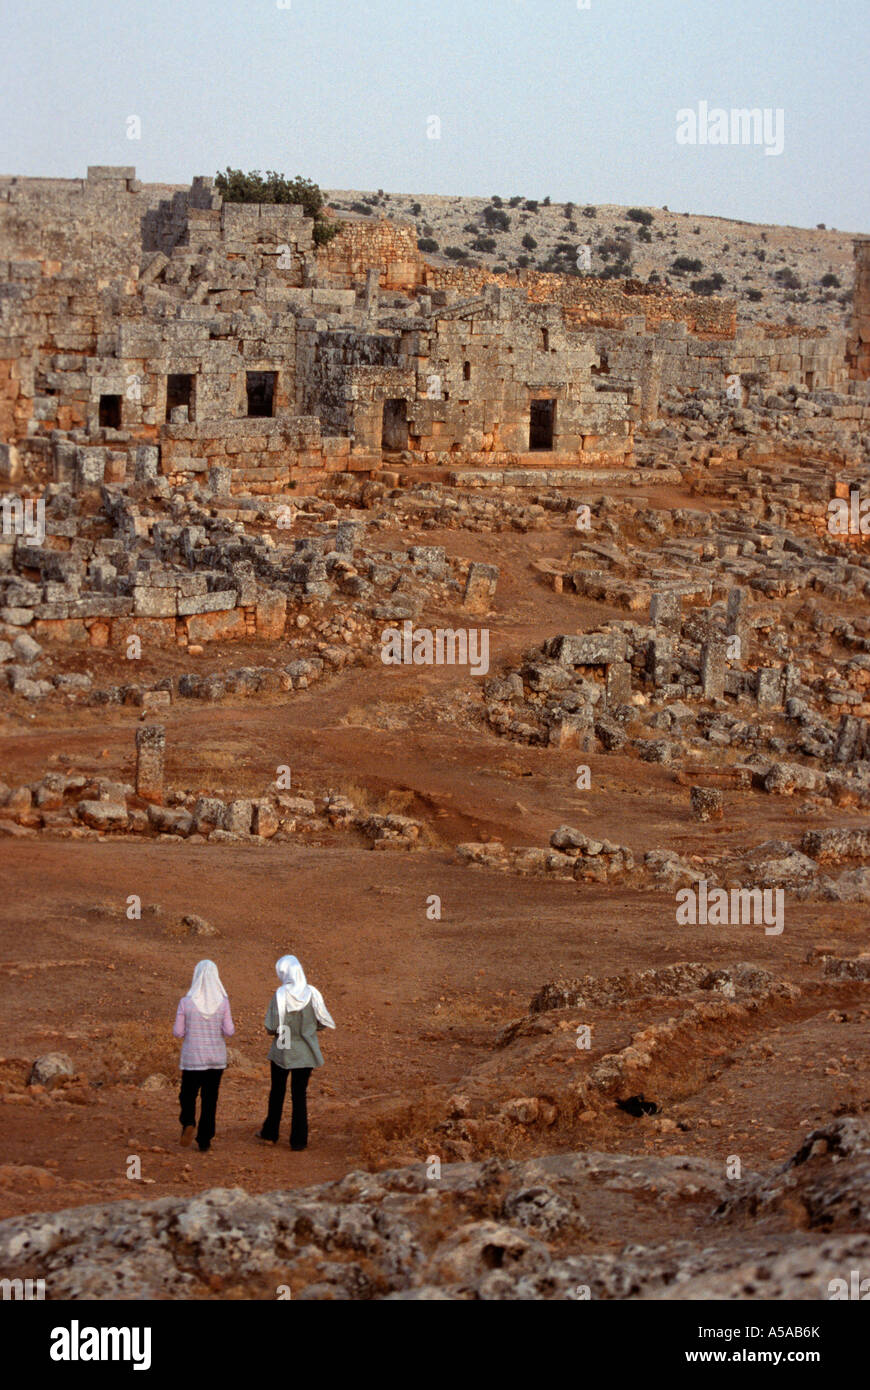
{"points": [[484, 243], [362, 208], [515, 202], [710, 285], [496, 201], [456, 253], [614, 246], [416, 209], [529, 242], [788, 279], [568, 211], [497, 219], [235, 186], [686, 263], [639, 215], [830, 281], [590, 211], [644, 234], [522, 262], [754, 296], [426, 243], [531, 205]]}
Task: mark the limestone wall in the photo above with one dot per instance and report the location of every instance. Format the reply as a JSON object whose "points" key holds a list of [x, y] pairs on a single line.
{"points": [[859, 337]]}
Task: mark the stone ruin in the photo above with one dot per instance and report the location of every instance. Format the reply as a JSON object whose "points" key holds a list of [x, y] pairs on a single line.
{"points": [[174, 367]]}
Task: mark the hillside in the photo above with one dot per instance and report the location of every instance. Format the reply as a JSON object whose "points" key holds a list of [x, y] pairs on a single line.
{"points": [[775, 274]]}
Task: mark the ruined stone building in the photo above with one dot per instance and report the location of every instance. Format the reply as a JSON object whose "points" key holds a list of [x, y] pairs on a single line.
{"points": [[168, 360], [217, 334]]}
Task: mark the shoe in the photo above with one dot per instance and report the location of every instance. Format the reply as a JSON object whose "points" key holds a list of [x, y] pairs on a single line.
{"points": [[203, 1148], [187, 1136], [297, 1148], [262, 1138]]}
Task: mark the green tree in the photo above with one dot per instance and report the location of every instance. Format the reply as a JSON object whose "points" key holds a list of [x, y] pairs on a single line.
{"points": [[235, 186]]}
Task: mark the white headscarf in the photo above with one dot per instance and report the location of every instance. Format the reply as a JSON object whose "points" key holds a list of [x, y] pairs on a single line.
{"points": [[206, 992], [295, 992]]}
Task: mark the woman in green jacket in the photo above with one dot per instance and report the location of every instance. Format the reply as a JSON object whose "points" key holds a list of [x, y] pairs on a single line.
{"points": [[296, 1014]]}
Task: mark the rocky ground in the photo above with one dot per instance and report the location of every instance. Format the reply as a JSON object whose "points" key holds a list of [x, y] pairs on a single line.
{"points": [[775, 274], [480, 872], [495, 1230]]}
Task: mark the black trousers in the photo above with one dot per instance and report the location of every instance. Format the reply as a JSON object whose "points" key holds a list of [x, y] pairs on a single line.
{"points": [[205, 1084], [298, 1102]]}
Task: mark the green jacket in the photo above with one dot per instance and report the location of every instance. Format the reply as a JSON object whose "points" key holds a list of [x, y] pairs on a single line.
{"points": [[301, 1029]]}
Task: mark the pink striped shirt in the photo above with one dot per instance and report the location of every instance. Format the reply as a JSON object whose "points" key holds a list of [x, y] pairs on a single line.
{"points": [[203, 1047]]}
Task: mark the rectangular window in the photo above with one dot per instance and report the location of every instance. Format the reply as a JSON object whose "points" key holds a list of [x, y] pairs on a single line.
{"points": [[110, 412], [179, 392], [261, 394]]}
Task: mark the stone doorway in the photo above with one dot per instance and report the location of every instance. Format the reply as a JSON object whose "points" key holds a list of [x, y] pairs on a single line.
{"points": [[394, 429], [542, 418]]}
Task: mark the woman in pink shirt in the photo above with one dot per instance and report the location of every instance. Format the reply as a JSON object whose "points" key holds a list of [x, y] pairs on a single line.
{"points": [[203, 1020]]}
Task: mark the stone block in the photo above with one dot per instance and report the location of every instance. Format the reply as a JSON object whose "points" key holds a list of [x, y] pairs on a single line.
{"points": [[713, 668], [588, 649], [150, 752], [146, 468], [480, 587], [618, 683], [769, 687], [219, 601], [707, 803], [154, 603], [217, 627], [665, 610], [238, 817], [271, 614]]}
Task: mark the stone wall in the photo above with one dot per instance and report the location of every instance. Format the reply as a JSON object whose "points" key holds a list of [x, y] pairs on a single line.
{"points": [[859, 340], [367, 244], [392, 247], [593, 302], [672, 357]]}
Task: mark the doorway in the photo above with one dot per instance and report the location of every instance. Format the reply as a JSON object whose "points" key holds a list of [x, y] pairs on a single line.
{"points": [[394, 428], [542, 418]]}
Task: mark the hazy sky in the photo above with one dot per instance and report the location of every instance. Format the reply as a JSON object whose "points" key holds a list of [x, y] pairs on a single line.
{"points": [[534, 97]]}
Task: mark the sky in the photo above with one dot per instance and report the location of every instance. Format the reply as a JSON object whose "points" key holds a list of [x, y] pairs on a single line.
{"points": [[466, 97]]}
